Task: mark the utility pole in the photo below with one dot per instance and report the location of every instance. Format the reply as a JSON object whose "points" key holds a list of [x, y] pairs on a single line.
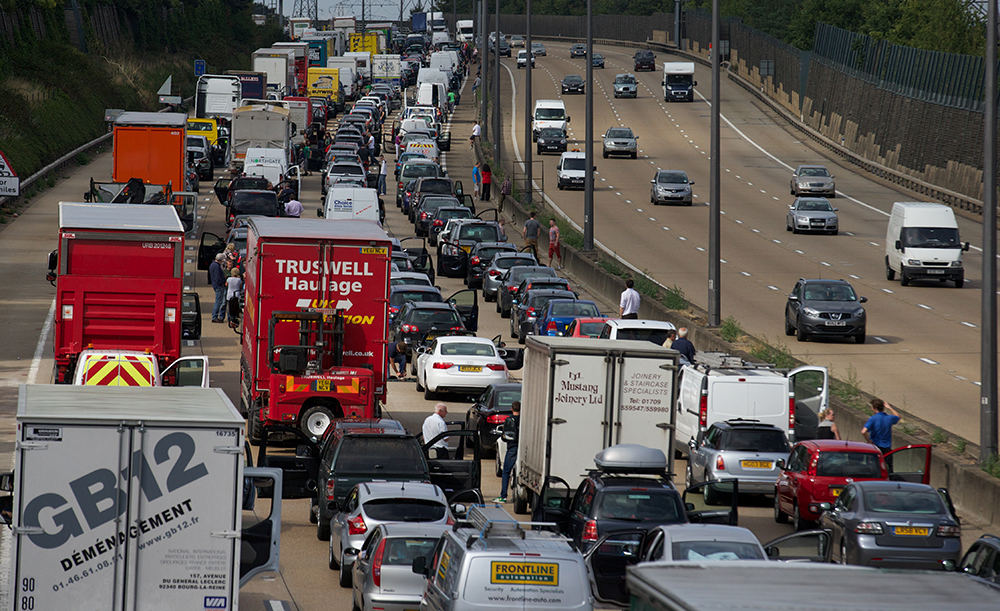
{"points": [[527, 106], [988, 359], [715, 207], [588, 155], [482, 65], [497, 115]]}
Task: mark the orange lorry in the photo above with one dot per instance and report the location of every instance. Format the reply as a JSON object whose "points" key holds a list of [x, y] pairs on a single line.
{"points": [[151, 146]]}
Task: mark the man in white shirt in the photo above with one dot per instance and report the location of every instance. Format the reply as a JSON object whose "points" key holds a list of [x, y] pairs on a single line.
{"points": [[629, 306], [293, 208], [434, 425], [476, 131], [382, 170]]}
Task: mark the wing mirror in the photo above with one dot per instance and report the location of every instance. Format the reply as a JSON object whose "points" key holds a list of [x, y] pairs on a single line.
{"points": [[793, 298], [965, 247], [863, 300], [825, 506], [781, 463], [899, 245]]}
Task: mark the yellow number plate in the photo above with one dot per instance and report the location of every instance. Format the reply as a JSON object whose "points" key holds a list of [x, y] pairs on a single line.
{"points": [[467, 249], [470, 368], [912, 531], [756, 464], [322, 385], [836, 491]]}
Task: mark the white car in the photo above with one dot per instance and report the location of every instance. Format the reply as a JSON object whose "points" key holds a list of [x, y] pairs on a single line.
{"points": [[522, 59], [459, 364]]}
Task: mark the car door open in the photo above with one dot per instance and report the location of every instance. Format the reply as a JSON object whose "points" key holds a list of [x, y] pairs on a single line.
{"points": [[811, 389], [460, 472], [300, 472], [910, 464], [467, 304], [705, 502]]}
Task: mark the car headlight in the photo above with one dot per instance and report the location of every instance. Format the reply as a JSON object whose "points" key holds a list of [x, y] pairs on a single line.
{"points": [[858, 313], [956, 263], [912, 262], [803, 183], [563, 141], [541, 141], [810, 312], [802, 219]]}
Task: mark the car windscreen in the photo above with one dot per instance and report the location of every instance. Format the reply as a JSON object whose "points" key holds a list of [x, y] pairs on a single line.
{"points": [[848, 464], [264, 204], [347, 168], [657, 336], [638, 505], [479, 233], [591, 328], [403, 263], [248, 183], [903, 501], [551, 132], [198, 126], [375, 455], [419, 170], [625, 80], [930, 237], [540, 301], [398, 298], [751, 440], [403, 551], [575, 163], [679, 79], [435, 186], [517, 275], [453, 213], [814, 204], [577, 310], [509, 262], [668, 178], [619, 133], [430, 205], [485, 254], [814, 172], [715, 550], [405, 510], [549, 114], [437, 318], [573, 79], [829, 292]]}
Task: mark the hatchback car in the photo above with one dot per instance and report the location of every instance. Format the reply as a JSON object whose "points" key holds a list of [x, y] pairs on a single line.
{"points": [[556, 317], [597, 61], [404, 293], [578, 50], [746, 451], [654, 331], [620, 141], [383, 576], [894, 525], [493, 276], [490, 411], [670, 187], [812, 214], [572, 83], [551, 139], [828, 308], [440, 219], [585, 326], [522, 59], [373, 503], [530, 305], [480, 257], [644, 60], [512, 279], [465, 365], [817, 471], [812, 180], [626, 86], [415, 319], [427, 206]]}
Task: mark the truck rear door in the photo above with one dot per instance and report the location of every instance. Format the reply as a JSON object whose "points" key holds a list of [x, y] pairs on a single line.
{"points": [[811, 388], [646, 392], [577, 413]]}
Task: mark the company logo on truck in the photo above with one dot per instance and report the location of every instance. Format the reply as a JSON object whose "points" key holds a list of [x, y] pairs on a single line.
{"points": [[216, 602], [524, 573], [294, 270]]}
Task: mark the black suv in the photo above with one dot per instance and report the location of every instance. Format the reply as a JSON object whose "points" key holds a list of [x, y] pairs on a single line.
{"points": [[489, 412], [418, 317], [480, 258], [644, 60]]}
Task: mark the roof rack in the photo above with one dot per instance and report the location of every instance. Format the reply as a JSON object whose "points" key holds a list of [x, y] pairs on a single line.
{"points": [[723, 360], [493, 522]]}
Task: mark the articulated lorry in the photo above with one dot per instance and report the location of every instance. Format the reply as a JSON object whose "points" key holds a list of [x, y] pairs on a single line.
{"points": [[253, 85], [580, 397], [314, 323], [134, 499], [279, 66], [121, 309]]}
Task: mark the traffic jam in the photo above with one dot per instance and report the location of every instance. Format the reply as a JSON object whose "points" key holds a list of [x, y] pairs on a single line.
{"points": [[622, 458]]}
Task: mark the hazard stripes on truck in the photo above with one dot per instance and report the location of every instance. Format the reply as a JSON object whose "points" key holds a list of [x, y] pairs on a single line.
{"points": [[292, 384], [118, 370]]}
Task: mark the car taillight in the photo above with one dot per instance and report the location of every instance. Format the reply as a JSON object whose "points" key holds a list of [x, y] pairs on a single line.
{"points": [[377, 564], [703, 409], [357, 526], [329, 490], [720, 463], [474, 260], [551, 327], [868, 528], [439, 223], [946, 530], [531, 312], [400, 186], [495, 367], [409, 329], [791, 413], [590, 531], [496, 418], [442, 365], [423, 216], [494, 273], [513, 289], [393, 309]]}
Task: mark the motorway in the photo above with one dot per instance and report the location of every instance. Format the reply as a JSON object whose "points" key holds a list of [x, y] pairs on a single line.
{"points": [[669, 242]]}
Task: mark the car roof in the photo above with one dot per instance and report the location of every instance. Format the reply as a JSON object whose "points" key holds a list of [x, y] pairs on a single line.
{"points": [[464, 339], [547, 292], [361, 423], [827, 281], [702, 532], [879, 485], [414, 288], [738, 423], [834, 445], [641, 323], [626, 480], [409, 490], [431, 305]]}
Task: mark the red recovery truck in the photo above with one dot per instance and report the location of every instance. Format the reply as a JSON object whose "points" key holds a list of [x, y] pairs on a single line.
{"points": [[121, 312], [315, 322]]}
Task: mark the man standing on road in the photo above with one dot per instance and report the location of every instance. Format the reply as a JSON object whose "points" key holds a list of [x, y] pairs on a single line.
{"points": [[683, 345], [382, 171], [477, 181], [878, 430], [511, 432], [554, 243], [530, 233], [434, 425], [629, 305], [218, 278], [293, 208]]}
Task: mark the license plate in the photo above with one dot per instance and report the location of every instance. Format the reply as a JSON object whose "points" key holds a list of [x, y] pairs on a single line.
{"points": [[470, 368], [322, 385], [756, 464], [836, 491], [836, 323], [467, 249], [911, 531], [935, 271]]}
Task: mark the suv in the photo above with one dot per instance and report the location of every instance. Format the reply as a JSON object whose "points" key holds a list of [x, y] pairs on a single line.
{"points": [[644, 60], [453, 250], [412, 170], [745, 450], [621, 141], [480, 258], [440, 219], [626, 86], [825, 307], [578, 50]]}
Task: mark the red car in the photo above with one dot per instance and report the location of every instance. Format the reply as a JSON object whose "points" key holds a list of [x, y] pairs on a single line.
{"points": [[585, 327], [818, 469]]}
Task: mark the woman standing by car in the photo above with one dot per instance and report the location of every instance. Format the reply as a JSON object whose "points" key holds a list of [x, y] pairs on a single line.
{"points": [[487, 181], [827, 428]]}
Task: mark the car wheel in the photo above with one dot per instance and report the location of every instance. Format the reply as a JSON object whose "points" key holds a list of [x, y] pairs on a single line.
{"points": [[605, 153], [904, 280], [959, 282], [315, 420], [635, 155], [355, 607], [420, 387], [539, 152], [322, 527], [860, 339], [428, 395], [345, 575], [798, 522], [789, 327], [498, 465], [711, 495], [795, 229], [560, 187], [779, 516], [513, 333], [890, 274], [800, 333], [334, 559], [788, 226]]}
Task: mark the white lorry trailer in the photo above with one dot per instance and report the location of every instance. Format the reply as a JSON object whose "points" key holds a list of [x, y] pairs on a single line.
{"points": [[580, 396], [217, 96], [132, 498]]}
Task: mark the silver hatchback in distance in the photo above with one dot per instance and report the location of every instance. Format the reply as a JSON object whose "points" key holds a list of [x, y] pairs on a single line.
{"points": [[620, 141], [383, 576], [502, 261], [670, 187], [812, 214], [745, 450]]}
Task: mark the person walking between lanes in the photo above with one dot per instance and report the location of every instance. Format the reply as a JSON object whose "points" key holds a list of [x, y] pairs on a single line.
{"points": [[487, 181], [293, 209], [683, 345], [477, 181], [382, 173], [434, 425], [530, 233], [628, 307], [554, 248], [218, 278], [878, 430], [511, 431]]}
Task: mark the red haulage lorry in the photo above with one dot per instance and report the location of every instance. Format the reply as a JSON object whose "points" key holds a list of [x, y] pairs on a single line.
{"points": [[121, 312], [314, 323]]}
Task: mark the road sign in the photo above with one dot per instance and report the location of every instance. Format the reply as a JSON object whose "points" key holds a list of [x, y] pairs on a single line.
{"points": [[199, 67], [10, 184]]}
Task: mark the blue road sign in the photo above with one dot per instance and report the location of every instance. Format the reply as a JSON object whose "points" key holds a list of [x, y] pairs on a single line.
{"points": [[199, 67]]}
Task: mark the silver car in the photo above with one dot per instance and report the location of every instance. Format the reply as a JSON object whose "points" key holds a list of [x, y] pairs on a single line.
{"points": [[620, 141], [501, 263], [742, 450], [670, 187], [812, 214], [813, 179], [369, 504], [383, 576], [626, 86]]}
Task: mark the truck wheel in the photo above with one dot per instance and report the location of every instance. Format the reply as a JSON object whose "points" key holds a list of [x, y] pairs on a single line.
{"points": [[315, 420], [959, 282], [256, 428], [904, 280], [520, 495], [890, 274]]}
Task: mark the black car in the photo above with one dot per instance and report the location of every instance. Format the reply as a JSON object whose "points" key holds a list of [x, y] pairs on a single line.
{"points": [[247, 201], [573, 83], [828, 308], [981, 561], [529, 305], [551, 139], [441, 217], [480, 258], [644, 60], [416, 318], [578, 50], [225, 187], [453, 251], [512, 280], [430, 185], [489, 412], [426, 208]]}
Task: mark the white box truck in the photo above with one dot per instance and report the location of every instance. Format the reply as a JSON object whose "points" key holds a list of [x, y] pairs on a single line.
{"points": [[279, 65], [580, 396], [922, 243], [217, 96], [678, 81], [348, 69], [132, 498], [465, 30], [264, 126], [387, 68]]}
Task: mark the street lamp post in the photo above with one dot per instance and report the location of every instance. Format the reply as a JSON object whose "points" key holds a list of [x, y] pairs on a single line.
{"points": [[588, 156], [496, 90], [527, 105], [715, 207], [988, 347]]}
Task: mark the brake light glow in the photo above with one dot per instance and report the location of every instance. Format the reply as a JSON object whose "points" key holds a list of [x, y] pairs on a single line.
{"points": [[423, 216], [946, 530], [439, 223], [590, 531], [442, 365], [494, 273], [357, 526], [329, 490], [377, 564], [496, 418], [513, 289], [409, 329], [720, 463], [531, 312], [474, 260], [791, 413], [703, 409], [868, 528], [495, 367], [551, 327]]}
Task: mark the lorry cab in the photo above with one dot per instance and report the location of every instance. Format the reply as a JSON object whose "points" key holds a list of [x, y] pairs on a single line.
{"points": [[134, 368]]}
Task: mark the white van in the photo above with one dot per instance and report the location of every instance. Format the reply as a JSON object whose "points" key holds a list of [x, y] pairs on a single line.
{"points": [[270, 163], [548, 113], [433, 94], [922, 243], [352, 204], [731, 388], [571, 170]]}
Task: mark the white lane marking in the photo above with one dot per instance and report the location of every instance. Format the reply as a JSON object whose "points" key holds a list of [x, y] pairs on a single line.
{"points": [[36, 359], [854, 277], [747, 274], [888, 291], [773, 288], [682, 238], [926, 307], [699, 249], [723, 261], [776, 241], [929, 361], [969, 324], [825, 264], [881, 340]]}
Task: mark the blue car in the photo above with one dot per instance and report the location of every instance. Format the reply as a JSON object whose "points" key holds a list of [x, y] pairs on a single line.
{"points": [[597, 60], [558, 313]]}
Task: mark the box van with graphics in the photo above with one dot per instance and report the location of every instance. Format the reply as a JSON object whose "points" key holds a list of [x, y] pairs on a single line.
{"points": [[492, 561], [353, 204]]}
